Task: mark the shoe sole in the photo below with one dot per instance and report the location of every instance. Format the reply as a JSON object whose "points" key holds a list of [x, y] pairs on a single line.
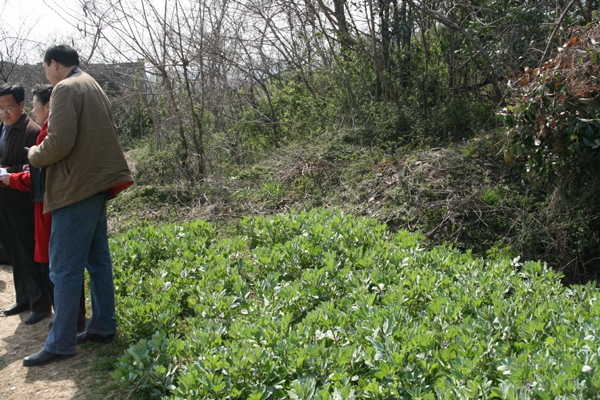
{"points": [[33, 322], [11, 313], [27, 363]]}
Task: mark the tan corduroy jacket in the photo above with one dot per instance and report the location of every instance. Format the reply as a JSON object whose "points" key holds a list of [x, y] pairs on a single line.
{"points": [[81, 153]]}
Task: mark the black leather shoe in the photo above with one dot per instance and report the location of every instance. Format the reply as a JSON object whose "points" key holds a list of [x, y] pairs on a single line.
{"points": [[44, 357], [36, 316], [16, 309], [94, 338], [81, 325]]}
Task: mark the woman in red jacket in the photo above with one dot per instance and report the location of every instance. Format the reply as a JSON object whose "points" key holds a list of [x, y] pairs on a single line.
{"points": [[23, 181]]}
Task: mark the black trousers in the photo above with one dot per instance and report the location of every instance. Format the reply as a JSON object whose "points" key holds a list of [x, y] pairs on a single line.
{"points": [[81, 315], [31, 282]]}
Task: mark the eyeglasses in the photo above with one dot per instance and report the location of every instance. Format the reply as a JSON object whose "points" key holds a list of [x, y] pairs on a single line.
{"points": [[7, 110]]}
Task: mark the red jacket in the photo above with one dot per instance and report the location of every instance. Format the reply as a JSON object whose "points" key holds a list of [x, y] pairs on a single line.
{"points": [[43, 222]]}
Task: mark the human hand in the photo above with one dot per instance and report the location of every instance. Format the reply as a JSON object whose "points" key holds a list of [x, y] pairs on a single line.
{"points": [[26, 168], [29, 151], [5, 179]]}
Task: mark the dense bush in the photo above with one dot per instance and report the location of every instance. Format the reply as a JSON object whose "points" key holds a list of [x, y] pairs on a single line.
{"points": [[157, 166], [326, 305], [553, 126], [557, 131]]}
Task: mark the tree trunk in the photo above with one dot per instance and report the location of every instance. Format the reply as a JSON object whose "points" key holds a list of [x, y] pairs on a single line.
{"points": [[426, 69], [451, 64]]}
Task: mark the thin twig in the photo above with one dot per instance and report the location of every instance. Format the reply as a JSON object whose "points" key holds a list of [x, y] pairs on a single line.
{"points": [[564, 14]]}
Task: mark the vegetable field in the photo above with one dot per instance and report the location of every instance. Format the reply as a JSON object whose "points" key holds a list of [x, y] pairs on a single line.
{"points": [[325, 305]]}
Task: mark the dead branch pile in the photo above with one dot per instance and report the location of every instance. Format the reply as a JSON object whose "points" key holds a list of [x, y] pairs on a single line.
{"points": [[577, 64]]}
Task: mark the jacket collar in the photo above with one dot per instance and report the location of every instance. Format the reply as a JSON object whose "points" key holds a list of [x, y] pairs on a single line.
{"points": [[21, 123], [74, 71]]}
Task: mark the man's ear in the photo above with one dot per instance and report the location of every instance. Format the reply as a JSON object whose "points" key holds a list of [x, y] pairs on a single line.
{"points": [[22, 104]]}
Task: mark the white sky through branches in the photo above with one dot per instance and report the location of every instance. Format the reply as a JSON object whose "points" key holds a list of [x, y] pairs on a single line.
{"points": [[39, 22]]}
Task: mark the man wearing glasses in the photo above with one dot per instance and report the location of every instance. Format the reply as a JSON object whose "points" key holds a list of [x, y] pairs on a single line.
{"points": [[18, 132]]}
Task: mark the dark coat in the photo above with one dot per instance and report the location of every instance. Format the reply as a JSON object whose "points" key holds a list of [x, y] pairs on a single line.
{"points": [[43, 222], [23, 134]]}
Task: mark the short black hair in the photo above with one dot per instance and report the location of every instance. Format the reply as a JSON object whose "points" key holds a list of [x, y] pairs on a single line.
{"points": [[42, 92], [63, 54], [16, 90]]}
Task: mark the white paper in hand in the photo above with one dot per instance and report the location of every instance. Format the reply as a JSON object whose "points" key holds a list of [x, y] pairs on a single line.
{"points": [[3, 172]]}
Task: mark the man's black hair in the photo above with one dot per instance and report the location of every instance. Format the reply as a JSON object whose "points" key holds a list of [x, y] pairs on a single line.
{"points": [[16, 90], [63, 54], [42, 92]]}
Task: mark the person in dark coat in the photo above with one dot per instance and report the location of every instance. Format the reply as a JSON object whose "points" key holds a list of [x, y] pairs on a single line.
{"points": [[26, 182], [17, 134]]}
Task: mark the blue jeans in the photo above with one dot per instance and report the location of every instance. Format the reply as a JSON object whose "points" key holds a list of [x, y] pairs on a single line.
{"points": [[79, 241]]}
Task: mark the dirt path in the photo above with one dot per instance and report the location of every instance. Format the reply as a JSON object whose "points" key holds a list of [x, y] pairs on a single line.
{"points": [[67, 379]]}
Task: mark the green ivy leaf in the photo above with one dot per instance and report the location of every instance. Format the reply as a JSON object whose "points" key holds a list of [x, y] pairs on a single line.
{"points": [[509, 120], [595, 144]]}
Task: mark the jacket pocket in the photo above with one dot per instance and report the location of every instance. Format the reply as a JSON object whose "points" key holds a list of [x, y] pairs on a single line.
{"points": [[64, 168]]}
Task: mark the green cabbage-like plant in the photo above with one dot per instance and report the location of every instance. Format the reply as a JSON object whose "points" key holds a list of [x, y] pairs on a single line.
{"points": [[327, 305]]}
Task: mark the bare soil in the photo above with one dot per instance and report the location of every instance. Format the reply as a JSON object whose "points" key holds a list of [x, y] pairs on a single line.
{"points": [[65, 379]]}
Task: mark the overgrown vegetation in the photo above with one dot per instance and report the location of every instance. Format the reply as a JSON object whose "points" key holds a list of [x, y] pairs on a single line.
{"points": [[323, 305], [463, 193], [554, 128], [418, 152]]}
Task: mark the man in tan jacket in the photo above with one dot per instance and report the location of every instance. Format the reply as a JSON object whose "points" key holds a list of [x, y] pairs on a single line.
{"points": [[85, 166]]}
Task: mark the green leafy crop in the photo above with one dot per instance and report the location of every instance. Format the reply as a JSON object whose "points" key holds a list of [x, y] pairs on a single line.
{"points": [[325, 305]]}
